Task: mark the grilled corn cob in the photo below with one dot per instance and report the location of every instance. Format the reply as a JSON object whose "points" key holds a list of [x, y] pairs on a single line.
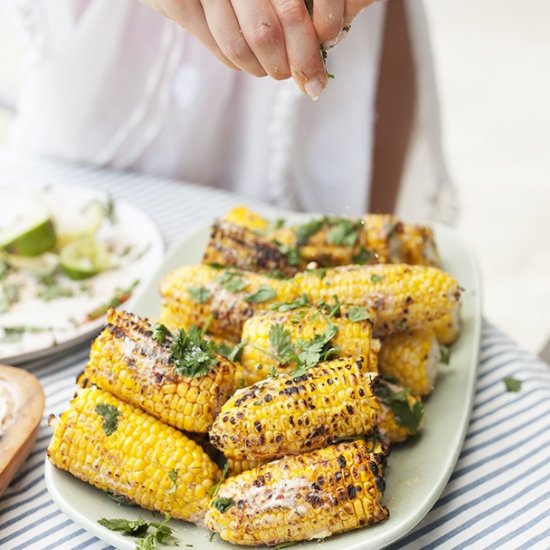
{"points": [[411, 358], [404, 297], [117, 447], [259, 356], [447, 327], [129, 362], [310, 496], [232, 245], [242, 238], [197, 294], [291, 414]]}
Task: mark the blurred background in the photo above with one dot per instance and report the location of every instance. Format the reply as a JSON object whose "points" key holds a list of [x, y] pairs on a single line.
{"points": [[491, 60]]}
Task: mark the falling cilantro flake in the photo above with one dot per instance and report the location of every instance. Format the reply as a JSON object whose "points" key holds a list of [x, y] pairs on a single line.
{"points": [[292, 253], [375, 278], [199, 294], [512, 384], [160, 333], [223, 504], [232, 281], [191, 354], [263, 294], [356, 314], [110, 416]]}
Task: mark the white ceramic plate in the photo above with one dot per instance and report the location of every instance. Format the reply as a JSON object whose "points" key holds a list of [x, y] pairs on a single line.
{"points": [[62, 322], [418, 471]]}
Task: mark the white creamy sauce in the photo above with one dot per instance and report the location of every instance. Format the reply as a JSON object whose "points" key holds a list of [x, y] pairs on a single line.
{"points": [[280, 495], [47, 323], [434, 357], [9, 400]]}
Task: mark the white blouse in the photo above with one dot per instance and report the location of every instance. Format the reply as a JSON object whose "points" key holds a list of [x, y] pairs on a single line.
{"points": [[113, 83]]}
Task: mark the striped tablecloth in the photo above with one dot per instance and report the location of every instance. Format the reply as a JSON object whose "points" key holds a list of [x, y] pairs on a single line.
{"points": [[498, 496]]}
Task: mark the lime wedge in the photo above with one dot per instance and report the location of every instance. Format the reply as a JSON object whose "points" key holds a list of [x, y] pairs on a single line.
{"points": [[29, 239], [42, 265], [84, 257]]}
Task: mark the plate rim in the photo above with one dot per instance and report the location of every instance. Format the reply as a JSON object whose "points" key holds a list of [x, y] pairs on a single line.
{"points": [[157, 239]]}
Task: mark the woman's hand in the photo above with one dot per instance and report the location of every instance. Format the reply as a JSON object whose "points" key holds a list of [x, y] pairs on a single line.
{"points": [[274, 37], [332, 18]]}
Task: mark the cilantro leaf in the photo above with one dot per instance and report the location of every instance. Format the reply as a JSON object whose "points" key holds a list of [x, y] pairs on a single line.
{"points": [[302, 301], [161, 534], [331, 310], [305, 231], [316, 350], [134, 528], [231, 352], [191, 354], [512, 384], [281, 343], [223, 504], [363, 256], [263, 294], [110, 416], [344, 232], [444, 355], [406, 415], [173, 475], [292, 253], [215, 488], [232, 281], [356, 314], [160, 333], [375, 278], [199, 294]]}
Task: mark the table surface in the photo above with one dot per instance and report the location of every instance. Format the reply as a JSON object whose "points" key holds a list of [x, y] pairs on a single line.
{"points": [[497, 497]]}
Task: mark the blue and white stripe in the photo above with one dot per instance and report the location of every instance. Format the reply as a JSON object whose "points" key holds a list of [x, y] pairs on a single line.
{"points": [[498, 496]]}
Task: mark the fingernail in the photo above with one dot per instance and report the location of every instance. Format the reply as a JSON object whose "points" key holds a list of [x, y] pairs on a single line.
{"points": [[314, 88], [335, 41]]}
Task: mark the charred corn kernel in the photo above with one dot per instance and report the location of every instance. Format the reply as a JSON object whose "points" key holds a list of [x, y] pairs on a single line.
{"points": [[401, 413], [129, 362], [404, 297], [239, 466], [231, 245], [310, 496], [221, 298], [259, 357], [289, 414], [447, 327], [242, 216], [117, 447], [411, 358], [418, 245]]}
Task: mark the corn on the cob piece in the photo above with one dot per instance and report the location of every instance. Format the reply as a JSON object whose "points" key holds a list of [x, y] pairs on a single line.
{"points": [[401, 413], [117, 447], [231, 245], [129, 362], [310, 496], [447, 327], [259, 357], [418, 245], [244, 217], [196, 294], [237, 467], [290, 414], [327, 240], [411, 358], [404, 297]]}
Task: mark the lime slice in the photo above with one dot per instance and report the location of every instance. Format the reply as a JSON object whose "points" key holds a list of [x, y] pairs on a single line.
{"points": [[84, 257], [29, 239]]}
